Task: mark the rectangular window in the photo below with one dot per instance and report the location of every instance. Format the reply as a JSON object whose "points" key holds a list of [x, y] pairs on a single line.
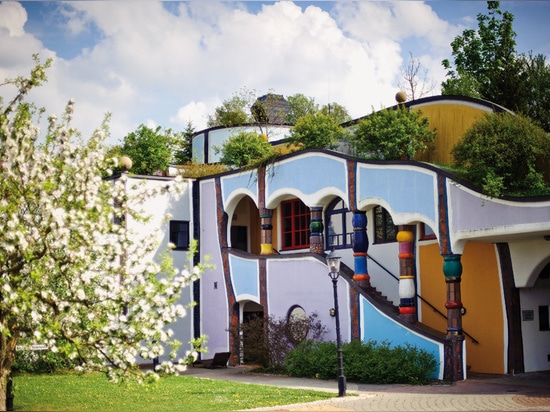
{"points": [[544, 318], [295, 217], [384, 229], [179, 234]]}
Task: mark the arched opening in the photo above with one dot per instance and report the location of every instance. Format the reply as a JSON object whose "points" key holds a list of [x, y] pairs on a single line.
{"points": [[252, 333], [244, 227]]}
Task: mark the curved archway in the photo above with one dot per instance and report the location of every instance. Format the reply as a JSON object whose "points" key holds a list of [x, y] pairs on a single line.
{"points": [[244, 226]]}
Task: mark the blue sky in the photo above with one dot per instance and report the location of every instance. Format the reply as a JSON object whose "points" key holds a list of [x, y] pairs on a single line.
{"points": [[171, 63]]}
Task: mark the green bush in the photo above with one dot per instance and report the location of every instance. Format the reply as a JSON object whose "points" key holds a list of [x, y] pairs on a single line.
{"points": [[392, 134], [316, 131], [504, 153], [267, 341], [41, 361], [364, 362], [245, 149]]}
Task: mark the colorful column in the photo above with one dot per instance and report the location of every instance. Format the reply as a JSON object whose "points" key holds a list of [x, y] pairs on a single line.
{"points": [[452, 269], [407, 289], [360, 245], [266, 233], [316, 228]]}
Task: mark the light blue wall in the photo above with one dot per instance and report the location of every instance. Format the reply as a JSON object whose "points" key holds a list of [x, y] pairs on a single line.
{"points": [[378, 327], [405, 190], [240, 183], [307, 174], [245, 278]]}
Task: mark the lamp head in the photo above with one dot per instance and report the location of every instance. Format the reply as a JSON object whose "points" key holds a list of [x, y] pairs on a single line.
{"points": [[333, 263]]}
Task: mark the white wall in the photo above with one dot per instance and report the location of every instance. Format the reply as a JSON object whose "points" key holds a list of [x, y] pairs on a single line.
{"points": [[536, 343], [157, 208]]}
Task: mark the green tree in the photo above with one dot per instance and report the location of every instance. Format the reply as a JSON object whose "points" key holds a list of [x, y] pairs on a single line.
{"points": [[488, 56], [316, 131], [234, 111], [299, 106], [66, 282], [502, 153], [150, 150], [392, 134], [537, 73], [183, 145], [245, 149], [338, 112]]}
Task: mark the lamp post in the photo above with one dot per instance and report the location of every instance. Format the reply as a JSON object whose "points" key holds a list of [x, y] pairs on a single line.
{"points": [[333, 262]]}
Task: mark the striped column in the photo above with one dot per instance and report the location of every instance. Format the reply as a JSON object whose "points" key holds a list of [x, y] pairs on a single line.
{"points": [[407, 289], [266, 233], [316, 228], [360, 245], [452, 269]]}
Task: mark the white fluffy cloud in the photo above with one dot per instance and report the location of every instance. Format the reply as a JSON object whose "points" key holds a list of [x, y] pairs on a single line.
{"points": [[171, 63]]}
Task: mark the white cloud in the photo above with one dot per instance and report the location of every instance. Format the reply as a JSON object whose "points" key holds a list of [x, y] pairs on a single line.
{"points": [[12, 18], [170, 63]]}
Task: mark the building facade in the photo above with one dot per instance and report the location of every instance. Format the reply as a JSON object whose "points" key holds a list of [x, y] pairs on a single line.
{"points": [[428, 260]]}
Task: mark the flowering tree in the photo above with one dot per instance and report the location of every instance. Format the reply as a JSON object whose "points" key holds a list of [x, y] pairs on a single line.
{"points": [[73, 275]]}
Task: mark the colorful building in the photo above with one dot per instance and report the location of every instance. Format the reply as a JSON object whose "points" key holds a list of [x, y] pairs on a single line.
{"points": [[428, 260]]}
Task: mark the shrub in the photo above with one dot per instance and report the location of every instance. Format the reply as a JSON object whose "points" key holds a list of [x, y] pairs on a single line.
{"points": [[364, 362], [267, 341], [392, 134], [316, 131], [245, 149], [502, 153], [41, 361]]}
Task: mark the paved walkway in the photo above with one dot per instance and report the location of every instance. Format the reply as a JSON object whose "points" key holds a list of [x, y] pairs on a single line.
{"points": [[523, 392]]}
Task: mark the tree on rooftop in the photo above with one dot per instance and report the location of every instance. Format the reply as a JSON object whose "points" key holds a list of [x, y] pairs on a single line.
{"points": [[149, 149], [73, 276], [183, 145], [392, 134], [245, 149], [316, 131], [234, 111], [504, 153], [299, 106]]}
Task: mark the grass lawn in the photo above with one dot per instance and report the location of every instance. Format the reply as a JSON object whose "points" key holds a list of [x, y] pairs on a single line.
{"points": [[92, 392]]}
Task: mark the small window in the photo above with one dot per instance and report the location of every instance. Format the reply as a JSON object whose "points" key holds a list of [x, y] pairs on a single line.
{"points": [[426, 232], [384, 229], [544, 318], [295, 217], [179, 234]]}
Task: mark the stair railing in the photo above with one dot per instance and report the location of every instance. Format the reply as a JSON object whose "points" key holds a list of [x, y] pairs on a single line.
{"points": [[420, 297]]}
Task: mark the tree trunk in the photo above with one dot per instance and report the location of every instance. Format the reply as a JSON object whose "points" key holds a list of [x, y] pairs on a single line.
{"points": [[4, 378]]}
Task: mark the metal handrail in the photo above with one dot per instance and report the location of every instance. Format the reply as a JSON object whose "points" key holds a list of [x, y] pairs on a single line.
{"points": [[421, 298]]}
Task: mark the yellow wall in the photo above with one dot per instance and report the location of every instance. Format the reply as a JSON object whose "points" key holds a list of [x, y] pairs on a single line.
{"points": [[451, 121], [481, 296]]}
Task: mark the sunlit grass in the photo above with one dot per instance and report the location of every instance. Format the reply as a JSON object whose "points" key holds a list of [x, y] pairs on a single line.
{"points": [[71, 392]]}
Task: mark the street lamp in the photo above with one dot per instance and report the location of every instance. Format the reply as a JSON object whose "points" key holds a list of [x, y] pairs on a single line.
{"points": [[333, 263]]}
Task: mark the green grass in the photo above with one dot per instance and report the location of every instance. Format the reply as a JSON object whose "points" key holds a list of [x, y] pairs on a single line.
{"points": [[92, 392]]}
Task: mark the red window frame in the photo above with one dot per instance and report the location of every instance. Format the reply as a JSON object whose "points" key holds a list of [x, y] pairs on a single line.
{"points": [[295, 218]]}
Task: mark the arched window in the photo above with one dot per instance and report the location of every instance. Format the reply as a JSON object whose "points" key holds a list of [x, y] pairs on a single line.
{"points": [[338, 226], [297, 324], [384, 229]]}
